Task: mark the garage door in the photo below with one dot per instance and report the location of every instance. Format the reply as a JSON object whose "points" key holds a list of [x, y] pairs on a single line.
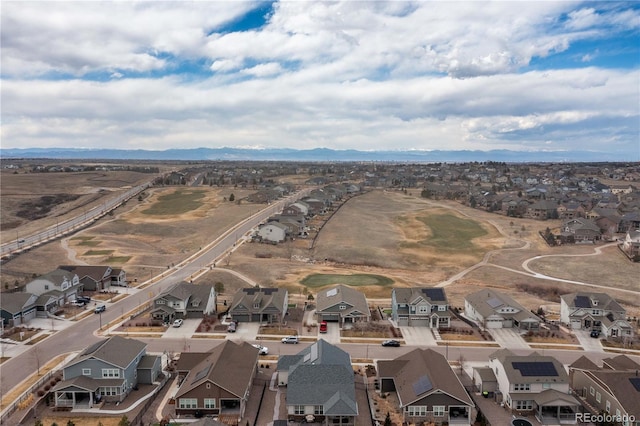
{"points": [[329, 317], [419, 322], [575, 325], [494, 324]]}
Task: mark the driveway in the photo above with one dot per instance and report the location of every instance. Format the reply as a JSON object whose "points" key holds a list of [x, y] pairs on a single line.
{"points": [[245, 331], [588, 343], [187, 329], [508, 338], [418, 336], [333, 333]]}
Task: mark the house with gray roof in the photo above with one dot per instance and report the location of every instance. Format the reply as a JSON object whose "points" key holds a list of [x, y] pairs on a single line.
{"points": [[274, 232], [420, 307], [320, 385], [63, 285], [535, 384], [217, 382], [17, 308], [594, 311], [97, 278], [613, 388], [428, 389], [106, 371], [259, 304], [492, 309], [342, 304], [184, 300]]}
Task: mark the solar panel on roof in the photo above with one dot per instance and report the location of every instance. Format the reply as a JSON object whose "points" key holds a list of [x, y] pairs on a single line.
{"points": [[635, 381], [332, 292], [582, 302], [268, 291], [494, 302], [422, 385], [529, 368], [202, 373], [249, 291], [434, 293]]}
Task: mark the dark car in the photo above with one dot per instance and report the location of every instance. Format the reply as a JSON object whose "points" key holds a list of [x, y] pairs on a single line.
{"points": [[595, 334], [83, 299], [392, 343]]}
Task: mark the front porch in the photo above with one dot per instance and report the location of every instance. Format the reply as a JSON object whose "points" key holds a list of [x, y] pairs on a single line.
{"points": [[553, 407]]}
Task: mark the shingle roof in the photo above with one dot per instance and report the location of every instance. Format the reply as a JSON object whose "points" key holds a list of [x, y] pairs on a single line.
{"points": [[487, 301], [411, 295], [115, 350], [265, 296], [620, 363], [407, 370], [584, 299], [96, 273], [342, 293], [15, 302], [522, 368], [583, 363], [621, 387]]}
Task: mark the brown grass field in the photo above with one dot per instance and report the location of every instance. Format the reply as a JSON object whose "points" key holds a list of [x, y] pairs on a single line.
{"points": [[411, 240]]}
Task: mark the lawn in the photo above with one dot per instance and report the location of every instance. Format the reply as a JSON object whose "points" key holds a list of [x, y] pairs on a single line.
{"points": [[451, 233], [355, 280], [175, 203], [98, 252]]}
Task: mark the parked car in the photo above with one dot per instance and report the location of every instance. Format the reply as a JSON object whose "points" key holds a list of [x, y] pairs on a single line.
{"points": [[100, 308], [178, 323], [595, 334], [83, 299], [262, 350], [323, 327], [290, 339], [392, 343], [78, 303], [232, 327]]}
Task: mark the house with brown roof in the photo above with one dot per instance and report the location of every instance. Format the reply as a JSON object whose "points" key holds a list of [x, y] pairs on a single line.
{"points": [[342, 304], [535, 384], [97, 278], [580, 230], [428, 390], [594, 311], [217, 382], [420, 307], [613, 389], [492, 309], [184, 300], [259, 304]]}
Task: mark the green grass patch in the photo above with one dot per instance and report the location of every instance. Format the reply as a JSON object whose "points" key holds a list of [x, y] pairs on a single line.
{"points": [[118, 259], [89, 243], [181, 201], [355, 280], [451, 233], [83, 238], [98, 252]]}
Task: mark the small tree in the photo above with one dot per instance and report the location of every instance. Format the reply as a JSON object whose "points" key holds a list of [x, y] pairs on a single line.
{"points": [[70, 423], [124, 421], [232, 197], [387, 419], [219, 287]]}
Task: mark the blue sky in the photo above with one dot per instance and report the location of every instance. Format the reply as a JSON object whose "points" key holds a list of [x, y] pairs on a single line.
{"points": [[526, 76]]}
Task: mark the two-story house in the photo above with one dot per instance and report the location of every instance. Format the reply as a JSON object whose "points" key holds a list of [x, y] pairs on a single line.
{"points": [[420, 307], [535, 384], [342, 304], [492, 309], [320, 385], [184, 300], [613, 389], [259, 304], [65, 286], [97, 278], [17, 308], [106, 371], [594, 311], [274, 232], [217, 382], [427, 388]]}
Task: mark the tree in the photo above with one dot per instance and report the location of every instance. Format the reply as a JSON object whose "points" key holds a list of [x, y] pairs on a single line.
{"points": [[124, 421], [70, 423], [232, 197], [387, 419], [219, 287]]}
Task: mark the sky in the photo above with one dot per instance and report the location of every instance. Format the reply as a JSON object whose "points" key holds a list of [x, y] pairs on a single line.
{"points": [[365, 75]]}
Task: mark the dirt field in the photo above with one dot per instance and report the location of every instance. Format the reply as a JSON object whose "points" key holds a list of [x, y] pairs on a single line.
{"points": [[390, 234]]}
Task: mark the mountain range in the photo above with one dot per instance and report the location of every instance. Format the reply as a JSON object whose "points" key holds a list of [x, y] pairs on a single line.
{"points": [[314, 155]]}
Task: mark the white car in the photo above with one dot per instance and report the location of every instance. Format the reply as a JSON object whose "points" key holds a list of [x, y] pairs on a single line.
{"points": [[178, 322], [290, 339], [262, 350]]}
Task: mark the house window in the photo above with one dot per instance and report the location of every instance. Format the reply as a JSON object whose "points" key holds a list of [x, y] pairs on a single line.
{"points": [[343, 307], [110, 373], [443, 320], [546, 385], [318, 410], [417, 410], [598, 397], [524, 405], [208, 385], [607, 407], [160, 302], [188, 403], [209, 403], [442, 308], [592, 391], [46, 286], [256, 306], [423, 309], [86, 371], [109, 391], [521, 387], [298, 409], [438, 410]]}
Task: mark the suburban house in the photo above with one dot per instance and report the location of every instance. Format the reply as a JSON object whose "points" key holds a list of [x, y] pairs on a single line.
{"points": [[492, 309], [106, 371], [217, 382], [594, 311], [17, 308], [614, 391], [631, 243], [534, 384], [420, 307], [65, 286], [97, 278], [580, 230], [428, 389], [342, 304], [320, 385], [184, 300], [274, 232], [259, 304]]}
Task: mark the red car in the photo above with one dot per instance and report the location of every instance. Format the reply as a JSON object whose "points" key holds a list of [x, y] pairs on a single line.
{"points": [[323, 327]]}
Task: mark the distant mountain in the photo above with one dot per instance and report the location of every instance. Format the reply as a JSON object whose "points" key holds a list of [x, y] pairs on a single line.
{"points": [[317, 154]]}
